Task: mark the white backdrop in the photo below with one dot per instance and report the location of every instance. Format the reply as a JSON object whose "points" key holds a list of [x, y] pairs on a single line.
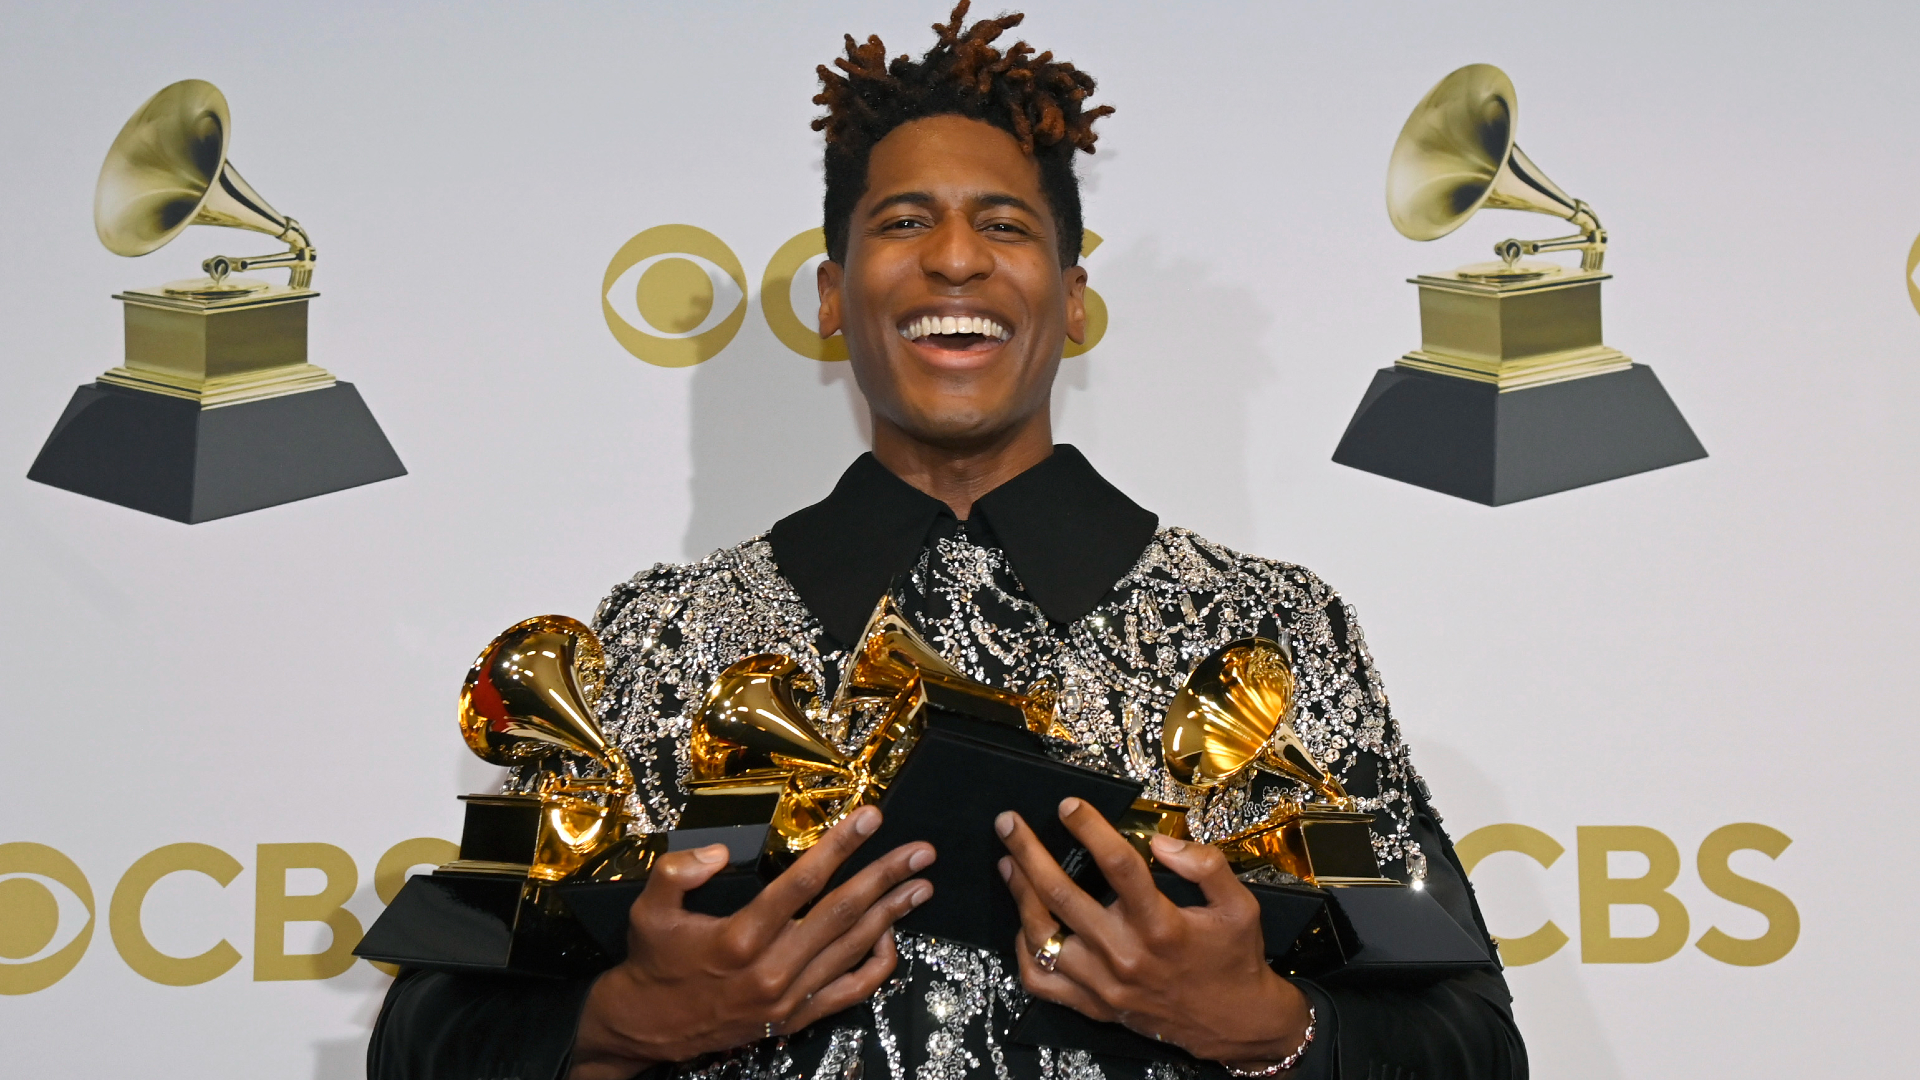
{"points": [[1720, 642]]}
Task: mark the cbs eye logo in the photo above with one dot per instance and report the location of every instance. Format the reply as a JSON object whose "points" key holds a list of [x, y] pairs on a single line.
{"points": [[49, 922], [675, 295], [1913, 265]]}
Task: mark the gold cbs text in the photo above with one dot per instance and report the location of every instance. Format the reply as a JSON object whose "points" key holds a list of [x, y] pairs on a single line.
{"points": [[48, 908]]}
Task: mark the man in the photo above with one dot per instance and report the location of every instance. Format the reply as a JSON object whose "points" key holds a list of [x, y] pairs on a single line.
{"points": [[953, 226]]}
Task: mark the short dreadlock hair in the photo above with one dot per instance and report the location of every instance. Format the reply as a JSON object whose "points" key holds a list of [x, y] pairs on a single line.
{"points": [[1036, 99]]}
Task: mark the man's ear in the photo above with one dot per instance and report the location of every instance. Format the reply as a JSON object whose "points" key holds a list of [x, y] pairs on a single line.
{"points": [[1075, 278], [828, 278]]}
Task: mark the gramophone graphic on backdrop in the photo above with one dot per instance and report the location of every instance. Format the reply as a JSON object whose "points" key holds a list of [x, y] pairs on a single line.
{"points": [[216, 410], [1512, 393]]}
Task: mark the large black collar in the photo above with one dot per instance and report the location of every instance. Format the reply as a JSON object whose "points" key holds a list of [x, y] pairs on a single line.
{"points": [[1069, 534]]}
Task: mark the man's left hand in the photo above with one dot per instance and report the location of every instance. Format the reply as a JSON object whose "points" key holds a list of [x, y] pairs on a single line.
{"points": [[1196, 977]]}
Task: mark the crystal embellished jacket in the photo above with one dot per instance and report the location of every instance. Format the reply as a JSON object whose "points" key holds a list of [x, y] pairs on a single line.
{"points": [[1056, 579]]}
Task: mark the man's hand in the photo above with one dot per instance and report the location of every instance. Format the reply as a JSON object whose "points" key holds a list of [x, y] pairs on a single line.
{"points": [[1195, 977], [693, 984]]}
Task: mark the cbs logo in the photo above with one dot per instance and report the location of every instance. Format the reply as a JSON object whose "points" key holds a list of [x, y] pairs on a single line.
{"points": [[1601, 890], [675, 295], [48, 912]]}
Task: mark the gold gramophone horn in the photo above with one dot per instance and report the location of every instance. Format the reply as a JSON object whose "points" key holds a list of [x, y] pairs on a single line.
{"points": [[893, 655], [1233, 714], [531, 693], [1456, 156], [753, 726], [168, 169]]}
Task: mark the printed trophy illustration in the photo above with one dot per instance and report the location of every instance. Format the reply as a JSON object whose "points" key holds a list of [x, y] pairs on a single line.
{"points": [[504, 904], [1512, 394], [215, 410]]}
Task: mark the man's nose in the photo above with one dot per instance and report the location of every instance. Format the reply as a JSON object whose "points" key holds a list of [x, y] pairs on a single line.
{"points": [[956, 254]]}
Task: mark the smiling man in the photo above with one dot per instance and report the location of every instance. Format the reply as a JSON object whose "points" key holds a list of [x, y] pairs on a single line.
{"points": [[953, 226]]}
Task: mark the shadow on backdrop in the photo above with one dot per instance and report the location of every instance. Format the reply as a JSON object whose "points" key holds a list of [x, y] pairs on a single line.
{"points": [[1170, 424], [1552, 987], [771, 432]]}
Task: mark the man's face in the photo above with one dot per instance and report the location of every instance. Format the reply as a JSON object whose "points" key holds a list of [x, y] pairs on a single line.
{"points": [[953, 301]]}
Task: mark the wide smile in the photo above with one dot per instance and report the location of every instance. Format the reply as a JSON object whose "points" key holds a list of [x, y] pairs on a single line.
{"points": [[955, 341]]}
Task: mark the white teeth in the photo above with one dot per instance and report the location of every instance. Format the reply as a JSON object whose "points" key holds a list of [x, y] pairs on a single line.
{"points": [[951, 324]]}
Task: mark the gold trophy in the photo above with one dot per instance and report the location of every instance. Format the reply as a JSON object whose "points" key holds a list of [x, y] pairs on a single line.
{"points": [[528, 700], [893, 659], [758, 732], [506, 903], [1528, 399], [753, 737], [215, 410], [1233, 716]]}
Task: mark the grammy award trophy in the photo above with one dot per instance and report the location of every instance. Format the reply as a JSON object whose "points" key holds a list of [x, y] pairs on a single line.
{"points": [[504, 904], [215, 410], [1234, 718], [1512, 393]]}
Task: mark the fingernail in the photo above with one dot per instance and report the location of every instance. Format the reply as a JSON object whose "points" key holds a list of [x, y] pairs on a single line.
{"points": [[920, 860], [712, 853], [865, 820], [1004, 823], [1006, 869], [1161, 842], [1068, 805], [920, 894]]}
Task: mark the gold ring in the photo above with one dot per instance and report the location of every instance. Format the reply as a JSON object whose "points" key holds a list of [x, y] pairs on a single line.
{"points": [[1047, 956]]}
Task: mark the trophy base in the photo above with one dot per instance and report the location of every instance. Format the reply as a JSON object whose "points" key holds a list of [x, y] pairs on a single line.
{"points": [[1399, 935], [484, 916], [1468, 439], [481, 924], [949, 792], [1317, 845], [170, 457]]}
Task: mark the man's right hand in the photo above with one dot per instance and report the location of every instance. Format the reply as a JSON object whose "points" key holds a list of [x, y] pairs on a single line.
{"points": [[694, 984]]}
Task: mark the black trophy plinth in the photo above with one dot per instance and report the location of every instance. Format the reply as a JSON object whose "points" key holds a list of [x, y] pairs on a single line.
{"points": [[1468, 439], [174, 458], [480, 926], [1396, 935]]}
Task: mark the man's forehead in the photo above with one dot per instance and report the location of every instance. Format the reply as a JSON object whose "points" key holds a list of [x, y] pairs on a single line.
{"points": [[938, 153], [974, 197]]}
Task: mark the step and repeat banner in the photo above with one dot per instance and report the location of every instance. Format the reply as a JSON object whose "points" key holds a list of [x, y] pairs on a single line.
{"points": [[562, 258]]}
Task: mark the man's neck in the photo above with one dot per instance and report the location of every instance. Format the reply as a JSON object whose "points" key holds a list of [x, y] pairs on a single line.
{"points": [[957, 477]]}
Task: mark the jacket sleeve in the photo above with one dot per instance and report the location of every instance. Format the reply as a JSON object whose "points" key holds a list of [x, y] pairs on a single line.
{"points": [[1457, 1027], [437, 1026]]}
